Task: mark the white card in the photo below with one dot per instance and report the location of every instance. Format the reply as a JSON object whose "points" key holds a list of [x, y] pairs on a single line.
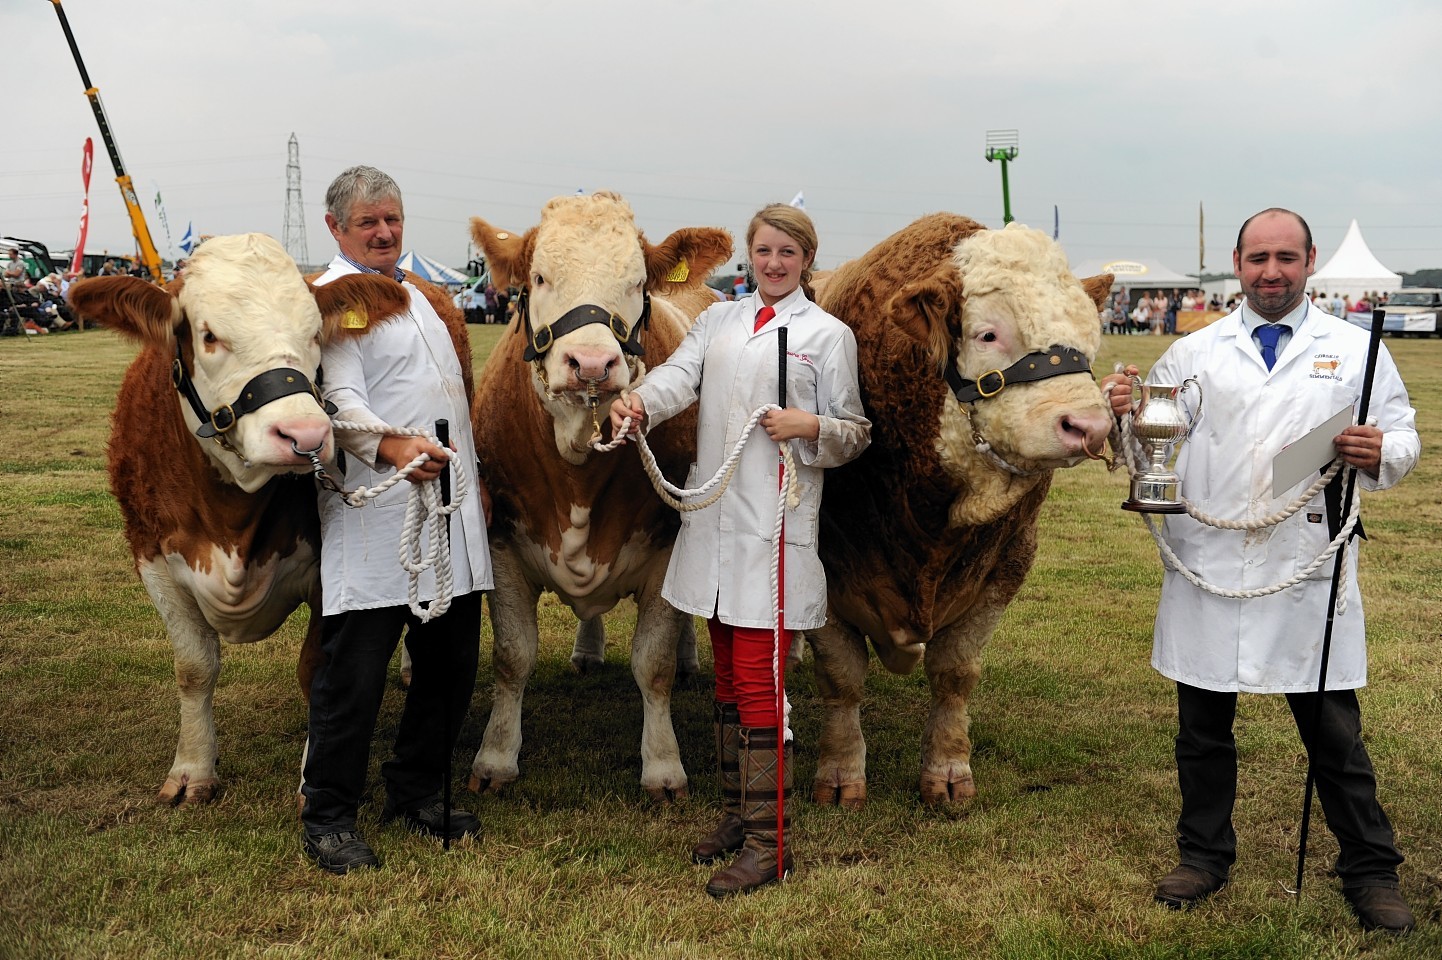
{"points": [[1303, 457]]}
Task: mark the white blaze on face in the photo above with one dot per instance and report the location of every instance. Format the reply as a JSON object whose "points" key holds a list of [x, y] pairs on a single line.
{"points": [[1021, 298], [250, 311], [587, 252]]}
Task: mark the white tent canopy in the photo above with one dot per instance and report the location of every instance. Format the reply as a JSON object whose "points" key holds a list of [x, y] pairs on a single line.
{"points": [[1353, 271], [428, 269], [1135, 272]]}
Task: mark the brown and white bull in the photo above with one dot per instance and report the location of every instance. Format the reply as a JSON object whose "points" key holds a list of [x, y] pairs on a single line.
{"points": [[598, 304], [974, 348], [206, 455]]}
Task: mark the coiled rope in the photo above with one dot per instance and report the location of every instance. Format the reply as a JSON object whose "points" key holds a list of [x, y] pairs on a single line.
{"points": [[424, 543], [1122, 442]]}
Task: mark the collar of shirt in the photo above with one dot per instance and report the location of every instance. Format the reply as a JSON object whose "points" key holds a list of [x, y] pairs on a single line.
{"points": [[399, 274], [1293, 319], [1292, 322], [781, 306]]}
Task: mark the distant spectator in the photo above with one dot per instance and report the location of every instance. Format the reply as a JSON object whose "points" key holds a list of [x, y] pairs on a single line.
{"points": [[471, 300], [15, 269], [739, 287], [492, 305], [1339, 306], [108, 269]]}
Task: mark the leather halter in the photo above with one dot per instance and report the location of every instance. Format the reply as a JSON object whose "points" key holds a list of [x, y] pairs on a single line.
{"points": [[261, 390], [1055, 361], [539, 341]]}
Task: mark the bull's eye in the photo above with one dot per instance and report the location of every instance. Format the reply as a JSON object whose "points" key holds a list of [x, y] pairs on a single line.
{"points": [[989, 337], [538, 281], [209, 338]]}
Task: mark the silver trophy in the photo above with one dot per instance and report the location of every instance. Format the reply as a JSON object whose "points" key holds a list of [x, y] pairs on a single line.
{"points": [[1159, 420]]}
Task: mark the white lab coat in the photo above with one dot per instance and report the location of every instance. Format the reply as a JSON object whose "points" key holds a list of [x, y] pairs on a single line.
{"points": [[405, 373], [722, 560], [1270, 644]]}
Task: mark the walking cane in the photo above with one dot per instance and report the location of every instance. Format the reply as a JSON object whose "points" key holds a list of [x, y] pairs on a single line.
{"points": [[781, 621], [443, 434], [1372, 348]]}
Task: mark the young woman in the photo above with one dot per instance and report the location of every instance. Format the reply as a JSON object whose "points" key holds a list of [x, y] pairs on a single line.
{"points": [[721, 563]]}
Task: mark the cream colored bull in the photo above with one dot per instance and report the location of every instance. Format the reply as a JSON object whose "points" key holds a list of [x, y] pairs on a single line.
{"points": [[599, 303]]}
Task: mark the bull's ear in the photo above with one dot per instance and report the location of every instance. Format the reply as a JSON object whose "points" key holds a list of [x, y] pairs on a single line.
{"points": [[131, 306], [928, 309], [353, 305], [685, 257], [1098, 288], [508, 254]]}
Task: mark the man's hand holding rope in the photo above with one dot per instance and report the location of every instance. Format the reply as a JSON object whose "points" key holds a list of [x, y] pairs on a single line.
{"points": [[400, 451]]}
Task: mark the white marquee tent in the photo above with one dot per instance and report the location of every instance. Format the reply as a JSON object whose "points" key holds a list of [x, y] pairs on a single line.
{"points": [[1136, 273], [1353, 271]]}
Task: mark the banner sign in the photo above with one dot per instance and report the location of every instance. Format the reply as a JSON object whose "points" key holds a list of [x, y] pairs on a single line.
{"points": [[77, 263]]}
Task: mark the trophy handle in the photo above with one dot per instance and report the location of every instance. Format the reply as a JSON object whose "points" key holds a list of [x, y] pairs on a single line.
{"points": [[1139, 405], [1197, 412]]}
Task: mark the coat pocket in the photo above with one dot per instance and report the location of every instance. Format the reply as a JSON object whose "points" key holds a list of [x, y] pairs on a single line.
{"points": [[801, 523]]}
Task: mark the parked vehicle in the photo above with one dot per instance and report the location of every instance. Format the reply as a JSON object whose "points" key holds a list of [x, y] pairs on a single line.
{"points": [[1411, 312]]}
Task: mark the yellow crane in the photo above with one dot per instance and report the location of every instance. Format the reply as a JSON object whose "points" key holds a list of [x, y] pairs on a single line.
{"points": [[148, 254]]}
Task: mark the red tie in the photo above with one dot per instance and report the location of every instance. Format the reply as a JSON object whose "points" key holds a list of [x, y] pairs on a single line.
{"points": [[763, 315]]}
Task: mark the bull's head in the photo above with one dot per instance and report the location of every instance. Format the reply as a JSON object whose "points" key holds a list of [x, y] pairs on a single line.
{"points": [[1013, 332], [245, 332], [586, 276]]}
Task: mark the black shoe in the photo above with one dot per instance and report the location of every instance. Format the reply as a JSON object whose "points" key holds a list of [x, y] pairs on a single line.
{"points": [[1186, 886], [429, 819], [1381, 908], [339, 852]]}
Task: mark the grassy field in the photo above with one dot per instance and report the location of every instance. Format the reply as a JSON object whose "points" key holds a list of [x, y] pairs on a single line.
{"points": [[1054, 858]]}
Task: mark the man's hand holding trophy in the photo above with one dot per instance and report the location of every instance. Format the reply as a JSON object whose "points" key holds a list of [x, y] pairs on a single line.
{"points": [[1159, 419]]}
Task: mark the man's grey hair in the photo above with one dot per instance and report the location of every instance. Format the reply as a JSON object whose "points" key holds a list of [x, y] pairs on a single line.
{"points": [[359, 184]]}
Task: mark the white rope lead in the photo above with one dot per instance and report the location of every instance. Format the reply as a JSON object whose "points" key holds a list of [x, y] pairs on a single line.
{"points": [[1122, 442], [787, 496], [420, 549], [672, 495]]}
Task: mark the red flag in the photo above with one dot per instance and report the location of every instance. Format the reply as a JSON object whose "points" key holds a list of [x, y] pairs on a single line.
{"points": [[77, 263]]}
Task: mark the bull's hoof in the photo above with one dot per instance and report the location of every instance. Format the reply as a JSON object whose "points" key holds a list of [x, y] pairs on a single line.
{"points": [[186, 791], [668, 795], [847, 796], [584, 663], [490, 785], [939, 790]]}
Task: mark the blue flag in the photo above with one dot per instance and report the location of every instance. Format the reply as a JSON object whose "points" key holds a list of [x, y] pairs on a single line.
{"points": [[187, 242]]}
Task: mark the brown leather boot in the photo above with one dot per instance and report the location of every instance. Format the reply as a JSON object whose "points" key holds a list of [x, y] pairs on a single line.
{"points": [[727, 837], [756, 865]]}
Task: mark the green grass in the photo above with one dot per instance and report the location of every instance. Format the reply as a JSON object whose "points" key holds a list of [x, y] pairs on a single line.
{"points": [[1054, 858]]}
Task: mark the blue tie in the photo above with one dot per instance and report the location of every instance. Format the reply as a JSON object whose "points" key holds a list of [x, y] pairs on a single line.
{"points": [[1267, 335]]}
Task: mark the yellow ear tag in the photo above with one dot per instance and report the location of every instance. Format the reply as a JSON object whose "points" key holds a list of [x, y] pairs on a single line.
{"points": [[352, 320], [679, 272]]}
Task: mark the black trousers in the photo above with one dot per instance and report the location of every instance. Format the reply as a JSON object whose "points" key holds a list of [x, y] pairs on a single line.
{"points": [[345, 699], [1345, 783]]}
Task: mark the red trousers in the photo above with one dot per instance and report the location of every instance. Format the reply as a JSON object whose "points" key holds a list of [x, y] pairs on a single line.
{"points": [[744, 675]]}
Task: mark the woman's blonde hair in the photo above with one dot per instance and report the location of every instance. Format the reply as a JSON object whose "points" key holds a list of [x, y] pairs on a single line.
{"points": [[793, 222]]}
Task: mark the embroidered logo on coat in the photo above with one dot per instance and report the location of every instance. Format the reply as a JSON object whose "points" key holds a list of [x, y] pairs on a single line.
{"points": [[1326, 366]]}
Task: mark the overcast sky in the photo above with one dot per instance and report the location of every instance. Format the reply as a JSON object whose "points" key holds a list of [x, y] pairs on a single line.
{"points": [[1130, 114]]}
